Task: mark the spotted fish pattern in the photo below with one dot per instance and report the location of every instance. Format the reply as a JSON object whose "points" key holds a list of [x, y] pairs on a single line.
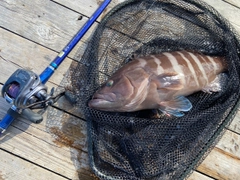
{"points": [[160, 81]]}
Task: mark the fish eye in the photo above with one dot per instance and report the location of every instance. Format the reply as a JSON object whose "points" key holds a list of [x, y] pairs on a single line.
{"points": [[109, 83]]}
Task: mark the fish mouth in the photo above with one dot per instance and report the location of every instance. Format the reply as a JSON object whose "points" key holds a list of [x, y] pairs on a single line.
{"points": [[100, 101], [111, 97]]}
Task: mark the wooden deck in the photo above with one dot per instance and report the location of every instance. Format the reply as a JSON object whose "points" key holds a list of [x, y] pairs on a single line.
{"points": [[31, 34]]}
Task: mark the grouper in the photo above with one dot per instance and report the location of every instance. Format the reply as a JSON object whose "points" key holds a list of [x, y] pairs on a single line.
{"points": [[160, 81]]}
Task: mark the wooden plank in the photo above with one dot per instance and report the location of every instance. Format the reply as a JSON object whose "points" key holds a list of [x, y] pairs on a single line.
{"points": [[237, 28], [198, 176], [44, 22], [88, 8], [233, 2], [221, 165], [235, 124], [62, 150], [57, 150], [5, 23], [223, 162], [230, 143], [81, 7], [53, 151], [12, 168], [228, 146], [68, 162], [23, 125], [231, 149], [17, 52], [226, 10]]}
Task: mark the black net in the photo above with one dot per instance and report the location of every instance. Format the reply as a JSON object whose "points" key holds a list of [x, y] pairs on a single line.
{"points": [[137, 145]]}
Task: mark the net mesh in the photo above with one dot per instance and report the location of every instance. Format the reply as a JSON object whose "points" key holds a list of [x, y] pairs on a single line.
{"points": [[137, 145]]}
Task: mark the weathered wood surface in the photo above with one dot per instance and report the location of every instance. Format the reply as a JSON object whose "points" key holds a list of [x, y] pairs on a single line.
{"points": [[30, 170], [228, 11], [87, 8], [43, 22], [32, 32], [234, 2]]}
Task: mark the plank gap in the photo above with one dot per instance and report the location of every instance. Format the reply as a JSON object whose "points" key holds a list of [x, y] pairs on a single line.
{"points": [[231, 3], [39, 44], [28, 39], [67, 112], [235, 132], [31, 134], [80, 14], [205, 174], [34, 163]]}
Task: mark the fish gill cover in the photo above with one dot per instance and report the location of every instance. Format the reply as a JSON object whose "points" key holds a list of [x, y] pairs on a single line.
{"points": [[138, 145]]}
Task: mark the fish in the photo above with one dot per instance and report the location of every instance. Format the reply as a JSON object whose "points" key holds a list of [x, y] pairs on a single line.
{"points": [[160, 82]]}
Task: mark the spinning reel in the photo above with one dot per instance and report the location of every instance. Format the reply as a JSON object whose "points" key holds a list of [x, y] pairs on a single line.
{"points": [[26, 92]]}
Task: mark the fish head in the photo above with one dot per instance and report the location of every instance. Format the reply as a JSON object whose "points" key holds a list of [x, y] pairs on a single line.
{"points": [[123, 92], [113, 94]]}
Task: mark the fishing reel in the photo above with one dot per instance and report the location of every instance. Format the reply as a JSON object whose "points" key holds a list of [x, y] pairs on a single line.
{"points": [[26, 92]]}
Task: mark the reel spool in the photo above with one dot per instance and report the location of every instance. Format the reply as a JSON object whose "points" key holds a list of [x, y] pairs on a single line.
{"points": [[24, 88], [25, 91]]}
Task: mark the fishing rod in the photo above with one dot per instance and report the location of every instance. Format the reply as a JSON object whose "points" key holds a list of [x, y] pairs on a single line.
{"points": [[25, 90]]}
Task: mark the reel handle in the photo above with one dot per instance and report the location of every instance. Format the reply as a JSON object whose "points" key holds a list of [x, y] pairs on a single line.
{"points": [[31, 116]]}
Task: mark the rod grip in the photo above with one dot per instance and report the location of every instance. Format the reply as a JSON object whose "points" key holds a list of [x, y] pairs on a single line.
{"points": [[8, 119]]}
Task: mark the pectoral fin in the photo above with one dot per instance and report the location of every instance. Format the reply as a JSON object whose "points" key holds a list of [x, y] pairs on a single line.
{"points": [[171, 81], [175, 106]]}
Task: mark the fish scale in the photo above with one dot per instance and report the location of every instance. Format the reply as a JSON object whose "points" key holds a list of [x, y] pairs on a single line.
{"points": [[190, 66]]}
